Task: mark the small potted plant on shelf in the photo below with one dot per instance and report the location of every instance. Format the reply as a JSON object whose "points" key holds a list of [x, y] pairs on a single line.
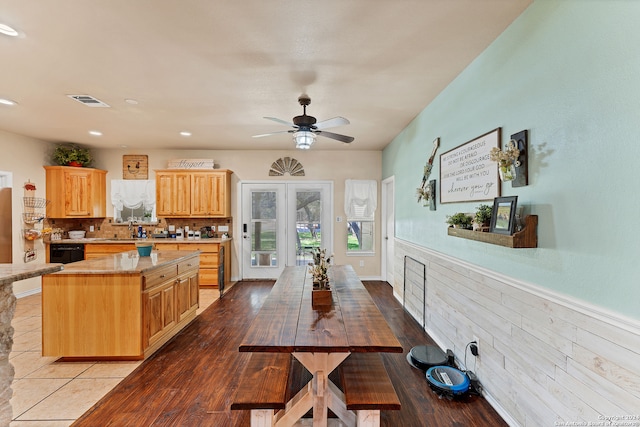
{"points": [[482, 218], [460, 220], [72, 155]]}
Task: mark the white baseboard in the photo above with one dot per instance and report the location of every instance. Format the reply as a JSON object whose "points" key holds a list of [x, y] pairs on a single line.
{"points": [[29, 293]]}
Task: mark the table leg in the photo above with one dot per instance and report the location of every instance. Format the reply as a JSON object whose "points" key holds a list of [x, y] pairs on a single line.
{"points": [[325, 394], [295, 408]]}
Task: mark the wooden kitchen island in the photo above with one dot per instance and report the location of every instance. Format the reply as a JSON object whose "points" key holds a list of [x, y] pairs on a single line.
{"points": [[120, 307]]}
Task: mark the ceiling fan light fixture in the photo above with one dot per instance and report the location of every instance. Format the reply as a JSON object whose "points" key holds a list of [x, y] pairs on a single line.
{"points": [[7, 30], [304, 139]]}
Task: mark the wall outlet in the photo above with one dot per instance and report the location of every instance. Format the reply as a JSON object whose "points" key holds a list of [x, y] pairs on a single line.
{"points": [[361, 263], [223, 228], [477, 340], [338, 219], [91, 229]]}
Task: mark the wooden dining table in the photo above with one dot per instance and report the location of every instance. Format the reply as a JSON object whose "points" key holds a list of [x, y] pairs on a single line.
{"points": [[320, 339]]}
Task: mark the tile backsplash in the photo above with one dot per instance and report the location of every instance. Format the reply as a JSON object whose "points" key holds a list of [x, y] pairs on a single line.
{"points": [[107, 228]]}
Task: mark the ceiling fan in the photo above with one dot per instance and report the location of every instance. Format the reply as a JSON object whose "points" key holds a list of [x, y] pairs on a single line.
{"points": [[305, 127]]}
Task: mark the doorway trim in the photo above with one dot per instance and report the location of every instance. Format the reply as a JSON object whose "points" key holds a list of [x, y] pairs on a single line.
{"points": [[387, 227]]}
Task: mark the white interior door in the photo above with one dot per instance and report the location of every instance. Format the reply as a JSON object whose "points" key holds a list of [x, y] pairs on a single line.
{"points": [[281, 223]]}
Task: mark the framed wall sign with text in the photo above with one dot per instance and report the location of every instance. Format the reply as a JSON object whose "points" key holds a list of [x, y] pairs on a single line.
{"points": [[135, 166], [467, 173]]}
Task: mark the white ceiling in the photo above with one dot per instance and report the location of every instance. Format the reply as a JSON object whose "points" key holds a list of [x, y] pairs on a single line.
{"points": [[216, 68]]}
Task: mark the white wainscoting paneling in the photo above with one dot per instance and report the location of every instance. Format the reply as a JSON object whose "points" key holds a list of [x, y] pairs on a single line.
{"points": [[545, 358]]}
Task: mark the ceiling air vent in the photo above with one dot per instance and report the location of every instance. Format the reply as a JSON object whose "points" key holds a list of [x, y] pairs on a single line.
{"points": [[89, 101]]}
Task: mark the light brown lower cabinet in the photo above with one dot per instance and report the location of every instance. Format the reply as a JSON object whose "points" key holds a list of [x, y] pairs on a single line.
{"points": [[98, 250], [123, 315], [213, 254]]}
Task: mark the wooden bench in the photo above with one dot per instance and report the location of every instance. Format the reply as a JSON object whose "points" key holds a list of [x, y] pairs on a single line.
{"points": [[367, 387], [363, 378], [263, 387]]}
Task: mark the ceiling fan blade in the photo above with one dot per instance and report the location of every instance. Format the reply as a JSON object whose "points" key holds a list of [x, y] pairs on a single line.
{"points": [[331, 123], [336, 136], [284, 122], [272, 133]]}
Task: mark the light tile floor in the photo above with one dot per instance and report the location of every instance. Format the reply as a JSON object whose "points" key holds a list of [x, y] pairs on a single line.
{"points": [[47, 393]]}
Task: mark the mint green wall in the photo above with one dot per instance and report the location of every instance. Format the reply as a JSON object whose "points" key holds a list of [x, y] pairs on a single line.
{"points": [[569, 72]]}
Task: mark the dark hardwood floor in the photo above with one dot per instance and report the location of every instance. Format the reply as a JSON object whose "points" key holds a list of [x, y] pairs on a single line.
{"points": [[191, 380]]}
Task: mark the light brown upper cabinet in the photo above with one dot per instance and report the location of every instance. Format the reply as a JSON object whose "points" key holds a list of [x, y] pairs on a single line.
{"points": [[173, 193], [193, 193], [76, 192]]}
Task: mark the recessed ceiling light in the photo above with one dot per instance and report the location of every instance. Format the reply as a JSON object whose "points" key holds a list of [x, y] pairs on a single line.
{"points": [[7, 101], [185, 133], [7, 30], [95, 133]]}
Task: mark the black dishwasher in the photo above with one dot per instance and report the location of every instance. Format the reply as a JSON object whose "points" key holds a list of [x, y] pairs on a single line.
{"points": [[66, 252]]}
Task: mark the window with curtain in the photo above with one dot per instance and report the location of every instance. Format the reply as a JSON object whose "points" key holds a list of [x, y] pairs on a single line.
{"points": [[360, 202], [133, 200]]}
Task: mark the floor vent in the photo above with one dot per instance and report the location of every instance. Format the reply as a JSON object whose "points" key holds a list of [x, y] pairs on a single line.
{"points": [[89, 101]]}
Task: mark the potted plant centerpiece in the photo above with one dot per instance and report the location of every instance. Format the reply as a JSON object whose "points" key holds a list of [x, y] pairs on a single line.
{"points": [[72, 155], [321, 293], [482, 218], [460, 220]]}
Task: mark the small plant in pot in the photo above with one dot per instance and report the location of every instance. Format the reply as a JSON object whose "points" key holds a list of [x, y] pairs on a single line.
{"points": [[72, 155], [460, 220], [482, 218]]}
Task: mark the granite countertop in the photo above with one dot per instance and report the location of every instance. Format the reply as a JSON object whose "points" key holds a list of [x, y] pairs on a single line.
{"points": [[151, 240], [10, 273], [126, 262]]}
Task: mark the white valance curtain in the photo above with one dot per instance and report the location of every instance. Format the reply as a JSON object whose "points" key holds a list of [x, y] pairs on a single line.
{"points": [[133, 194], [360, 198]]}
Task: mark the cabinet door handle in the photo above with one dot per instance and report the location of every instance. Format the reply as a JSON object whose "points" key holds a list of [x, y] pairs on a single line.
{"points": [[162, 276]]}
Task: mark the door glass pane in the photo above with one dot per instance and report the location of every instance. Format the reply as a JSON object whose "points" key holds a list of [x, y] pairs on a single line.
{"points": [[263, 229], [308, 224]]}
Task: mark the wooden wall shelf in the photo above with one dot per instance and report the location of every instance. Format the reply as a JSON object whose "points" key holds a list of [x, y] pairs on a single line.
{"points": [[525, 238]]}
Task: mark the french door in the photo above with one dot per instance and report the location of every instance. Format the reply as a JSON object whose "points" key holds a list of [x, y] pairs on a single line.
{"points": [[281, 224]]}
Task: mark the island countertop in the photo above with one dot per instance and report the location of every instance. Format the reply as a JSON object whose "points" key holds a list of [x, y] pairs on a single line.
{"points": [[10, 273], [126, 262]]}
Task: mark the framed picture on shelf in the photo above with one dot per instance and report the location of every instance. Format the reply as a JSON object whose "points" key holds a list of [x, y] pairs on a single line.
{"points": [[503, 217]]}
